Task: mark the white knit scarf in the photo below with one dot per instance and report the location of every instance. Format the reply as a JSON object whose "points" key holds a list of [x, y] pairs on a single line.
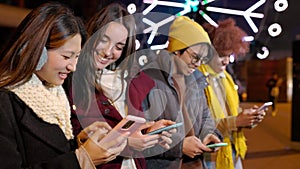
{"points": [[48, 103]]}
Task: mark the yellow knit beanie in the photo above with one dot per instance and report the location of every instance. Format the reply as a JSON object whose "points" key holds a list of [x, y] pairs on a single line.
{"points": [[185, 32]]}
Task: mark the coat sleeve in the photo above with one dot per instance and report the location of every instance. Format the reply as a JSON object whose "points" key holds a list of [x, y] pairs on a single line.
{"points": [[12, 150], [162, 104], [198, 109]]}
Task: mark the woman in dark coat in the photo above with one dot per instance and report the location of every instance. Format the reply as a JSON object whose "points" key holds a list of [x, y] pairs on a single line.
{"points": [[35, 125]]}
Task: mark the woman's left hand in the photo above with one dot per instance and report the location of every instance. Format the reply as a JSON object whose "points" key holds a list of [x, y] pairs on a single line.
{"points": [[165, 135], [139, 141]]}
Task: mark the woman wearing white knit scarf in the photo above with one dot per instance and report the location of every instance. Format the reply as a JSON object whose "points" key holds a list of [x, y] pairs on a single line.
{"points": [[35, 123]]}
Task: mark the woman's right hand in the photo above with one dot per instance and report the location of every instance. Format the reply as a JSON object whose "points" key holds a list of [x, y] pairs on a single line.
{"points": [[246, 118], [100, 154]]}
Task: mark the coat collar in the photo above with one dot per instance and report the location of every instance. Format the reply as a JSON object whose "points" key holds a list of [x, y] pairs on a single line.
{"points": [[46, 132]]}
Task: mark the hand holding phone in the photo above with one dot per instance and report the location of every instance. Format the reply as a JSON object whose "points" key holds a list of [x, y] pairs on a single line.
{"points": [[128, 124], [261, 108], [159, 131], [264, 106]]}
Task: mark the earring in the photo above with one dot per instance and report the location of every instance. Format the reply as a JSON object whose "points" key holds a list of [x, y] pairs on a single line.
{"points": [[43, 59]]}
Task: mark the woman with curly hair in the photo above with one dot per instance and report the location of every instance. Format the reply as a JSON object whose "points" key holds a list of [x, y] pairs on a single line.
{"points": [[222, 95]]}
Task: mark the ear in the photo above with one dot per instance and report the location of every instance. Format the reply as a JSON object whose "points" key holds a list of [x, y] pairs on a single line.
{"points": [[43, 59]]}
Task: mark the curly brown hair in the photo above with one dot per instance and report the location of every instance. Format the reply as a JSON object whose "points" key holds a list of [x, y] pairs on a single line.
{"points": [[227, 36]]}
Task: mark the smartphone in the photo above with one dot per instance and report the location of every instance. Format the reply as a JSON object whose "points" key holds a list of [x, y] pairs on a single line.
{"points": [[264, 106], [159, 131], [215, 145], [129, 123]]}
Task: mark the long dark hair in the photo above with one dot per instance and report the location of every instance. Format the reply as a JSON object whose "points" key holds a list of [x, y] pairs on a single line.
{"points": [[84, 82], [49, 25]]}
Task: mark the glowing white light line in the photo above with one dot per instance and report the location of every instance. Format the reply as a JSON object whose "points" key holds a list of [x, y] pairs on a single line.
{"points": [[154, 27], [173, 4], [251, 24], [152, 35], [206, 2], [154, 3], [233, 12], [152, 24], [255, 6], [185, 10], [147, 21], [156, 47], [187, 7], [208, 19], [248, 38], [247, 14], [147, 10]]}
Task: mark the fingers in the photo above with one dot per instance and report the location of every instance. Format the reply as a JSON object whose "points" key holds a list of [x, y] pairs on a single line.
{"points": [[211, 138], [259, 117], [117, 150], [166, 133], [116, 142], [100, 124], [105, 159], [143, 142], [196, 152], [102, 152], [97, 136], [96, 126], [91, 130], [110, 158], [172, 131], [166, 139], [252, 122], [164, 145], [166, 122], [147, 125]]}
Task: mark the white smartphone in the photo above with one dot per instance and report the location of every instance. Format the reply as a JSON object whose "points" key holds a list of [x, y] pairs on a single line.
{"points": [[264, 106], [215, 145], [159, 131], [129, 123]]}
